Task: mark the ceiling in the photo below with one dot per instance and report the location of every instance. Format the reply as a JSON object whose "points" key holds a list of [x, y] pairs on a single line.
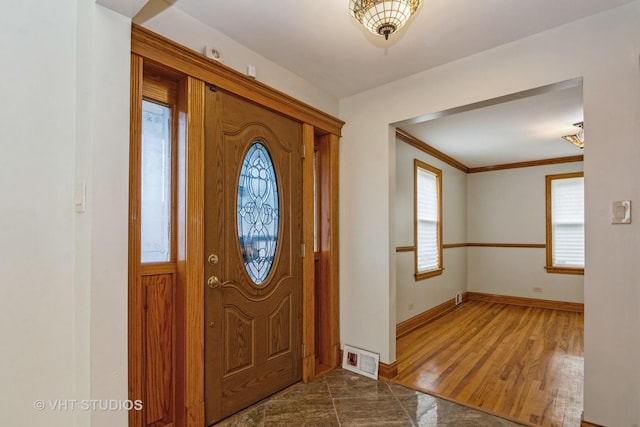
{"points": [[517, 128], [322, 43]]}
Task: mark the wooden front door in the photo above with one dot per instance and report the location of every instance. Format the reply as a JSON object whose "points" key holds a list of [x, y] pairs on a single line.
{"points": [[253, 265]]}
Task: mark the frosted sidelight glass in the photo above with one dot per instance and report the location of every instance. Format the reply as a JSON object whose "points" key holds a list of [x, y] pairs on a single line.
{"points": [[156, 183]]}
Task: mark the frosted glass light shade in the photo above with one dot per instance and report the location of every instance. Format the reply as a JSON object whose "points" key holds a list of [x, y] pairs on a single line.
{"points": [[383, 17]]}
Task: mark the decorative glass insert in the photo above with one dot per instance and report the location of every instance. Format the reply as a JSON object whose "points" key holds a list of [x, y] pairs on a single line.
{"points": [[156, 183], [258, 212]]}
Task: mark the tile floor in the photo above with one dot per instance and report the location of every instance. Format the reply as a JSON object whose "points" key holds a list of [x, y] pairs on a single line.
{"points": [[343, 398]]}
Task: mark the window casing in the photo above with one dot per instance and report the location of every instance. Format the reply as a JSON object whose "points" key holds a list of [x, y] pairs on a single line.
{"points": [[156, 163], [565, 223], [428, 220]]}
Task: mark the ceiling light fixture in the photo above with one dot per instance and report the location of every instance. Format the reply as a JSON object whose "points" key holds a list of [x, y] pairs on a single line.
{"points": [[578, 138], [383, 17]]}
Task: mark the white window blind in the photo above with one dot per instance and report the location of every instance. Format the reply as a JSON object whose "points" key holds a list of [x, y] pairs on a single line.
{"points": [[427, 221], [567, 220]]}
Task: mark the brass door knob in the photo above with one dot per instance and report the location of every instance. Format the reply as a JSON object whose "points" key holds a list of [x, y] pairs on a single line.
{"points": [[213, 282]]}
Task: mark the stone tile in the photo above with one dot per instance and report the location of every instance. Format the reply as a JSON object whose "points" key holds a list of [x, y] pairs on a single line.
{"points": [[400, 390], [300, 412], [315, 391], [383, 410], [304, 405], [429, 411], [343, 398], [251, 417], [344, 384]]}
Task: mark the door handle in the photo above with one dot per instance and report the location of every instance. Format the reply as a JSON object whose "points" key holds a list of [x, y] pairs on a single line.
{"points": [[213, 282]]}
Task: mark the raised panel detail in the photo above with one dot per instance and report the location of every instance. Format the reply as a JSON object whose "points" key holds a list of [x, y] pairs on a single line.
{"points": [[238, 338], [279, 332], [158, 402]]}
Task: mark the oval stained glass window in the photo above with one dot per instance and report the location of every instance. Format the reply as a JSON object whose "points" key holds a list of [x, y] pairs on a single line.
{"points": [[258, 212]]}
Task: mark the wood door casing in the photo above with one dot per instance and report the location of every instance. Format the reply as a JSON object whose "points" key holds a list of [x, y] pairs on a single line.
{"points": [[252, 332], [159, 58]]}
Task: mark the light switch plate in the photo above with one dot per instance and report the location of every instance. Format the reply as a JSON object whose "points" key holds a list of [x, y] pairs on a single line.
{"points": [[621, 212], [80, 197]]}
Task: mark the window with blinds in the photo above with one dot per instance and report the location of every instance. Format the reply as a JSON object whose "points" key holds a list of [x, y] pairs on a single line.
{"points": [[565, 223], [428, 226]]}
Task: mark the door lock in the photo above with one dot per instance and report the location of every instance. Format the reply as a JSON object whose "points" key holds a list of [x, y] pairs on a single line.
{"points": [[213, 259]]}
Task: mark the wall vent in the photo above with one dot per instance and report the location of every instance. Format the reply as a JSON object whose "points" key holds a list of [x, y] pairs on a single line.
{"points": [[458, 298], [360, 361]]}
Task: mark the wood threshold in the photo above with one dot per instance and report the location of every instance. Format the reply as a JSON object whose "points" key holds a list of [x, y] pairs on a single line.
{"points": [[527, 302]]}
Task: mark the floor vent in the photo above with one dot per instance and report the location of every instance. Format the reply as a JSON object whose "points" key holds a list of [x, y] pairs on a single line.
{"points": [[360, 361]]}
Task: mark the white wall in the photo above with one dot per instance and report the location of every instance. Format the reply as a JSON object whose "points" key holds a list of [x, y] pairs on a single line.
{"points": [[64, 118], [37, 117], [414, 297], [182, 28], [109, 211], [604, 51], [508, 206]]}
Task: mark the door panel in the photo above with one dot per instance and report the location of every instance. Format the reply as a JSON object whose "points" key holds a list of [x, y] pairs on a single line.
{"points": [[252, 321]]}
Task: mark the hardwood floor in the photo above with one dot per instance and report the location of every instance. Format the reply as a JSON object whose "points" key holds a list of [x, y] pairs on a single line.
{"points": [[521, 363]]}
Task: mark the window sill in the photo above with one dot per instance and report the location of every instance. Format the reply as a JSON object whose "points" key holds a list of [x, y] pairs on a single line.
{"points": [[564, 270], [427, 274]]}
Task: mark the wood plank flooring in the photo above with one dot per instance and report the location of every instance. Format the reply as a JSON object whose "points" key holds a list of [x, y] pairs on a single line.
{"points": [[522, 363]]}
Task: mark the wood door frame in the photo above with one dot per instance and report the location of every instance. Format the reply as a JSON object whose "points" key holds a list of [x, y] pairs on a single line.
{"points": [[191, 71]]}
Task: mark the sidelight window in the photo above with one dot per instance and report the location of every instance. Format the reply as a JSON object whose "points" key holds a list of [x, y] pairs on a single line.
{"points": [[156, 183]]}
